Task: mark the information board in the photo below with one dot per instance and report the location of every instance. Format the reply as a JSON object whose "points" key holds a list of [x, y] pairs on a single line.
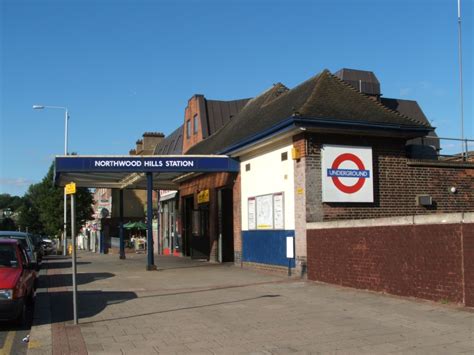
{"points": [[264, 212], [251, 213]]}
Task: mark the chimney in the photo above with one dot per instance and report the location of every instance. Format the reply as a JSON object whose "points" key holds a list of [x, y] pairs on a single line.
{"points": [[151, 140], [132, 152], [363, 81], [139, 146]]}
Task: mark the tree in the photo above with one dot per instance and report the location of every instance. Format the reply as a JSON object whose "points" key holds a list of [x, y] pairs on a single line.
{"points": [[43, 207], [29, 215], [12, 202], [9, 207]]}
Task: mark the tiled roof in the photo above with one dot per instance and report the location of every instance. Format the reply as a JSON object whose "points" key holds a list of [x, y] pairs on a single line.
{"points": [[171, 145], [323, 96]]}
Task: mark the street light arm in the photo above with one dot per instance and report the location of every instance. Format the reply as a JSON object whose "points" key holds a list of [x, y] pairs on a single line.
{"points": [[40, 107]]}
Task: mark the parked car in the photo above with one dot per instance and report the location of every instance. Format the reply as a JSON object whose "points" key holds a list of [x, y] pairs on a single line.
{"points": [[17, 280], [48, 245], [38, 247], [26, 241]]}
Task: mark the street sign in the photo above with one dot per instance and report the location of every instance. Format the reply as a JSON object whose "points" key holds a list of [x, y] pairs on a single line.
{"points": [[203, 196], [70, 188]]}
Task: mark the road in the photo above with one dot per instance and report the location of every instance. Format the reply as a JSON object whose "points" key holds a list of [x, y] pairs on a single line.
{"points": [[11, 336]]}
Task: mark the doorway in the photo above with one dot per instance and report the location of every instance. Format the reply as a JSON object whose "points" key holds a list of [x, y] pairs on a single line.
{"points": [[188, 207], [226, 224], [200, 241]]}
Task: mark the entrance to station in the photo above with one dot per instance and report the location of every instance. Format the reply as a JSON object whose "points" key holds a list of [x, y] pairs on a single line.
{"points": [[159, 172], [198, 224], [188, 206], [226, 223]]}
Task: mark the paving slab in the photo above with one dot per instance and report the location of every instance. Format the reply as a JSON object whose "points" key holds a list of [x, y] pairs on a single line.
{"points": [[195, 307]]}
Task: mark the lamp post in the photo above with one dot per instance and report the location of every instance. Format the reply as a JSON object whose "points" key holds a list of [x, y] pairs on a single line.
{"points": [[66, 119]]}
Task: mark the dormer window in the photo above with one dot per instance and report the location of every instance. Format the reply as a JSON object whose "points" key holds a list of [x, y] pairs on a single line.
{"points": [[188, 129], [195, 124]]}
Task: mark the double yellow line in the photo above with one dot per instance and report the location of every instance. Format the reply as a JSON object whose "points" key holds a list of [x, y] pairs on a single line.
{"points": [[8, 344]]}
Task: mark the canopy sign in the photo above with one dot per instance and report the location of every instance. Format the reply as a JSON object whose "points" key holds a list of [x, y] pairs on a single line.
{"points": [[347, 174], [145, 164]]}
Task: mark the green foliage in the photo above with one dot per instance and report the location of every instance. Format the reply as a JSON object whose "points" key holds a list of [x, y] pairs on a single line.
{"points": [[43, 207], [12, 202], [9, 206], [7, 224]]}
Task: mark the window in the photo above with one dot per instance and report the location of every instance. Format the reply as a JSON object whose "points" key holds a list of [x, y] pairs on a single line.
{"points": [[195, 124], [188, 129], [284, 156]]}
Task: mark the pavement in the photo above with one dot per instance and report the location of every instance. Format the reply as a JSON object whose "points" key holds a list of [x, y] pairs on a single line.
{"points": [[195, 307]]}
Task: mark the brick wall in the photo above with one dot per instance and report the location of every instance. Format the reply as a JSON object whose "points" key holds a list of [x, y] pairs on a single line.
{"points": [[433, 261], [207, 181], [468, 258], [300, 205], [196, 106], [397, 181]]}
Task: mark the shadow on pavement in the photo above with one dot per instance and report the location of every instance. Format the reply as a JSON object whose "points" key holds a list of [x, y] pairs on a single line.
{"points": [[64, 264], [89, 304], [65, 280], [182, 309], [12, 326]]}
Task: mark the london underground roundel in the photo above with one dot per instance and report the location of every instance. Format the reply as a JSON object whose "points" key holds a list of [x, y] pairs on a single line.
{"points": [[346, 174]]}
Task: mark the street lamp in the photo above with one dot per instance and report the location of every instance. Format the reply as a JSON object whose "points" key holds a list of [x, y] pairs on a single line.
{"points": [[66, 119]]}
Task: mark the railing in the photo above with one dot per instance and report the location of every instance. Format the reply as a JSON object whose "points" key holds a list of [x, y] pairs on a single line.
{"points": [[460, 148]]}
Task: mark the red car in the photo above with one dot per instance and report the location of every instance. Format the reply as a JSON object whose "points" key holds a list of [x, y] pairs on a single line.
{"points": [[17, 281]]}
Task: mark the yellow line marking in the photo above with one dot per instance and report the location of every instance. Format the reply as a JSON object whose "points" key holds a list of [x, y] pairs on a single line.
{"points": [[34, 344], [7, 345]]}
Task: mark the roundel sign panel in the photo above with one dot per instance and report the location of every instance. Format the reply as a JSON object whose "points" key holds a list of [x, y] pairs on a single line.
{"points": [[347, 174]]}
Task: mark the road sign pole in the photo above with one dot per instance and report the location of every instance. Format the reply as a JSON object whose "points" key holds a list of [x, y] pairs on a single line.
{"points": [[70, 189], [74, 269]]}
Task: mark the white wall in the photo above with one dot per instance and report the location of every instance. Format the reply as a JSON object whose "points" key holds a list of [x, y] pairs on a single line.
{"points": [[267, 175]]}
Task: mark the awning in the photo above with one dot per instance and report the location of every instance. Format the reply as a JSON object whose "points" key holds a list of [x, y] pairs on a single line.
{"points": [[129, 172], [169, 195]]}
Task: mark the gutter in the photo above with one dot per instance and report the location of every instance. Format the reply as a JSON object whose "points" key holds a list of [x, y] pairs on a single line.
{"points": [[301, 122]]}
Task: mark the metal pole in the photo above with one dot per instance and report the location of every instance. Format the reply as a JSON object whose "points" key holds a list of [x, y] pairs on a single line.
{"points": [[66, 119], [149, 190], [220, 225], [122, 242], [464, 153], [65, 225], [74, 269]]}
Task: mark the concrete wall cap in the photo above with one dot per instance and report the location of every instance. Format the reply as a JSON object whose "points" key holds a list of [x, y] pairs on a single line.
{"points": [[468, 217], [442, 218]]}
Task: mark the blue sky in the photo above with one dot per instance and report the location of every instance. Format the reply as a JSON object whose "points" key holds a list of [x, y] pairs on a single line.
{"points": [[126, 67]]}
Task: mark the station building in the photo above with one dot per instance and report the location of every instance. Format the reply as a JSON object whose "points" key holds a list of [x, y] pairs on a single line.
{"points": [[355, 178], [297, 150]]}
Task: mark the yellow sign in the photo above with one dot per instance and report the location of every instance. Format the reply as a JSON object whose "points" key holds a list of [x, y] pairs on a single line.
{"points": [[70, 188], [203, 196]]}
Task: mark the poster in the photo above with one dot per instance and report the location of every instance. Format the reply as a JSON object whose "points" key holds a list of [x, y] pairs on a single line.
{"points": [[251, 213], [278, 211], [265, 212]]}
